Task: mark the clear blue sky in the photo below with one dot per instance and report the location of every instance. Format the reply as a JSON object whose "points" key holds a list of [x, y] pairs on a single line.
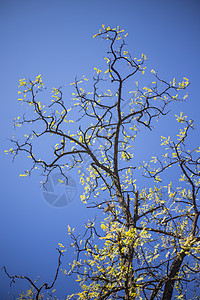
{"points": [[54, 38]]}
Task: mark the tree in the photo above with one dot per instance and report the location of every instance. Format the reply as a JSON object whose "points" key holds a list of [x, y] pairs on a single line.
{"points": [[148, 244]]}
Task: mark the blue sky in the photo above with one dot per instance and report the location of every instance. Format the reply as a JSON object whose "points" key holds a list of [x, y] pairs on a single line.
{"points": [[54, 39]]}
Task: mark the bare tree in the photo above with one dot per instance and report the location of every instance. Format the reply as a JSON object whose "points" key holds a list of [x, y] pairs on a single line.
{"points": [[147, 247]]}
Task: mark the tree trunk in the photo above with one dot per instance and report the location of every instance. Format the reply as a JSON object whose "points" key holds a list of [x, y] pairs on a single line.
{"points": [[175, 267]]}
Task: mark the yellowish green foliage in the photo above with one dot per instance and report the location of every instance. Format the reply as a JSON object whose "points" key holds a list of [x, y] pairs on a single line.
{"points": [[147, 245]]}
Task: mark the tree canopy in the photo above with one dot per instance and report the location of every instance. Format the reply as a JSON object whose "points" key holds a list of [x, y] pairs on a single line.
{"points": [[147, 244]]}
